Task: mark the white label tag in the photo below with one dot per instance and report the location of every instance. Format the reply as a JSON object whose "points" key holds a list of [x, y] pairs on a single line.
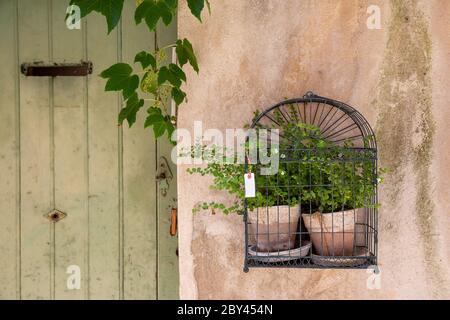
{"points": [[249, 179]]}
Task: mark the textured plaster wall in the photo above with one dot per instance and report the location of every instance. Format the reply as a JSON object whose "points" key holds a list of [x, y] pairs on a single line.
{"points": [[254, 53]]}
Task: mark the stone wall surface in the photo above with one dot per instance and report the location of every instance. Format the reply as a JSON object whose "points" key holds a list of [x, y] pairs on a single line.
{"points": [[255, 53]]}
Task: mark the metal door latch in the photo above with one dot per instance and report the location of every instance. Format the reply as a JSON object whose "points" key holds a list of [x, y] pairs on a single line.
{"points": [[163, 175], [40, 69]]}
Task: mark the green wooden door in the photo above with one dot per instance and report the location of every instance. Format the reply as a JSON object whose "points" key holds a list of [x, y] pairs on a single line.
{"points": [[61, 148]]}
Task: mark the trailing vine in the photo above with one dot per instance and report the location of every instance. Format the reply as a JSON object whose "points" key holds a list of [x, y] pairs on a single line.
{"points": [[157, 77]]}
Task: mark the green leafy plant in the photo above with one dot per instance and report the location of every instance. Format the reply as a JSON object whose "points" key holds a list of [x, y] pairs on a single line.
{"points": [[313, 173], [157, 77]]}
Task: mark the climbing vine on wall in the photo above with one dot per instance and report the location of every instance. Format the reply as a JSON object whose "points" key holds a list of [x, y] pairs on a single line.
{"points": [[157, 77]]}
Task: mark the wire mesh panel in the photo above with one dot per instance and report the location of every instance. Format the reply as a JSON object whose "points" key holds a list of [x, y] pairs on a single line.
{"points": [[319, 209]]}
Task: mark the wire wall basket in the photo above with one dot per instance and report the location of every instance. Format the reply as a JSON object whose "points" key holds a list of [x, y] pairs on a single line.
{"points": [[320, 209]]}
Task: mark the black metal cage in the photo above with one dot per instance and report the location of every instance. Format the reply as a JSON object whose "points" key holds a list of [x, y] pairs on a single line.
{"points": [[319, 210]]}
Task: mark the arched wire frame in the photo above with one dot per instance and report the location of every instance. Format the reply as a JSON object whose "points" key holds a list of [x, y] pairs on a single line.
{"points": [[309, 246]]}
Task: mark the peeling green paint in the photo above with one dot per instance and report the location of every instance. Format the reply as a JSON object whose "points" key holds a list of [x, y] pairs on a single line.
{"points": [[405, 125]]}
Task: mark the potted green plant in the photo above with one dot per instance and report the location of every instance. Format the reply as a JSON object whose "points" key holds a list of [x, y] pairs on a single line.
{"points": [[342, 184]]}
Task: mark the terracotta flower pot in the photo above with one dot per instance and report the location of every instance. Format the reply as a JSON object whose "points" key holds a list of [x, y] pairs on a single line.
{"points": [[274, 228], [333, 234]]}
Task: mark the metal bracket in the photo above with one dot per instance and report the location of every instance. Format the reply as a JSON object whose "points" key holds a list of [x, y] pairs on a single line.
{"points": [[309, 94], [164, 171], [39, 69], [164, 175], [55, 215]]}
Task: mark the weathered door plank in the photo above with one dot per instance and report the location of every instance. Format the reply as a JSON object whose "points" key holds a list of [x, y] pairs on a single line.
{"points": [[9, 156], [104, 211], [36, 149], [139, 155], [168, 276], [69, 157]]}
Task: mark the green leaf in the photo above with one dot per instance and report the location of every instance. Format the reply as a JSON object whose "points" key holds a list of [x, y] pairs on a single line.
{"points": [[178, 95], [321, 144], [146, 59], [117, 69], [132, 107], [172, 4], [196, 7], [111, 9], [154, 110], [165, 74], [131, 85], [176, 70], [151, 11], [120, 78], [149, 82], [156, 120], [159, 122], [154, 115], [148, 11], [185, 53], [159, 128], [165, 12], [170, 129]]}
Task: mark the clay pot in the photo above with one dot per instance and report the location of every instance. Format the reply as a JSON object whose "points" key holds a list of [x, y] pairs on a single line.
{"points": [[333, 234], [274, 228]]}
